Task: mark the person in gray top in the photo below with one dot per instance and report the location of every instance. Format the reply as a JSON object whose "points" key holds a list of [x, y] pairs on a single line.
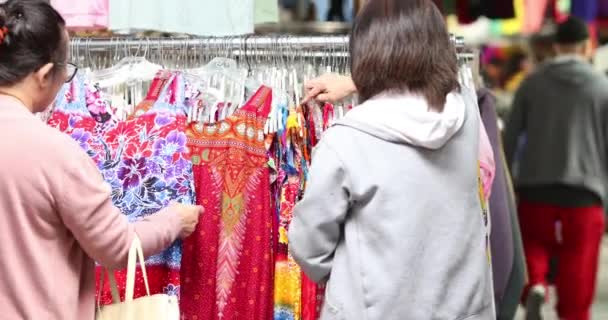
{"points": [[392, 218], [556, 142]]}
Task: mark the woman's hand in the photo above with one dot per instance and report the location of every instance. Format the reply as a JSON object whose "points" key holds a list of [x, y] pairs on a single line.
{"points": [[189, 216], [329, 88]]}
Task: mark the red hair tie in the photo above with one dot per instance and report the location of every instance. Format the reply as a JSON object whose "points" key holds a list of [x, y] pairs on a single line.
{"points": [[3, 33]]}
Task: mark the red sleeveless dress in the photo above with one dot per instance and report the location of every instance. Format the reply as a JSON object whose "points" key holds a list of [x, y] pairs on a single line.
{"points": [[227, 264]]}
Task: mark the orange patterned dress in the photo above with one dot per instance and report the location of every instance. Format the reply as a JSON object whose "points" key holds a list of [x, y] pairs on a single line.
{"points": [[227, 264]]}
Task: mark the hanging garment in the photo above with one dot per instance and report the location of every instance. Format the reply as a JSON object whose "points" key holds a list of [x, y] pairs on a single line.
{"points": [[514, 25], [487, 166], [286, 151], [80, 111], [288, 275], [603, 9], [587, 10], [448, 7], [519, 273], [145, 162], [535, 15], [266, 11], [296, 296], [83, 14], [563, 8], [313, 294], [195, 17], [168, 95], [505, 239], [227, 264], [469, 10], [497, 9]]}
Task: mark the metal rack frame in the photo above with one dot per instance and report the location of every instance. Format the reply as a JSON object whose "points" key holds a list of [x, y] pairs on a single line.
{"points": [[243, 43]]}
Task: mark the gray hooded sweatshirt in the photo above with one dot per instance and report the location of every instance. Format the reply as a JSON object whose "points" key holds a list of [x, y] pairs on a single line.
{"points": [[391, 217], [560, 112]]}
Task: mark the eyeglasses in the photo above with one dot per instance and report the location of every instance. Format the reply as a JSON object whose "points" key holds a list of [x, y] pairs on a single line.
{"points": [[71, 70]]}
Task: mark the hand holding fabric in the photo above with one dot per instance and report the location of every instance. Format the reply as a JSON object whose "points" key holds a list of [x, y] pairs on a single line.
{"points": [[329, 87], [189, 216]]}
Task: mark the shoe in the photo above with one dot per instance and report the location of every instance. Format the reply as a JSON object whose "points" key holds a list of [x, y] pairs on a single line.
{"points": [[534, 303]]}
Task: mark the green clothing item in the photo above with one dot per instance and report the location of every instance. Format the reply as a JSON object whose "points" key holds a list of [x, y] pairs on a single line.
{"points": [[449, 7], [266, 11], [194, 17]]}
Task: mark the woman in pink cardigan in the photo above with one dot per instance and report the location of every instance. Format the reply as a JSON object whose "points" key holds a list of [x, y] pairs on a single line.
{"points": [[55, 209]]}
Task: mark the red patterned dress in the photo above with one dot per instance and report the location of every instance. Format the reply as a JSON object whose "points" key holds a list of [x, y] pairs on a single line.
{"points": [[227, 264]]}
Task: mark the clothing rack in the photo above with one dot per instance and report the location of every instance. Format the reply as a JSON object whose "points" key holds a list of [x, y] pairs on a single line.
{"points": [[249, 45]]}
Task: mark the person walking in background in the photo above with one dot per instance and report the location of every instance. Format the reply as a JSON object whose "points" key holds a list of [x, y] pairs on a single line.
{"points": [[561, 113]]}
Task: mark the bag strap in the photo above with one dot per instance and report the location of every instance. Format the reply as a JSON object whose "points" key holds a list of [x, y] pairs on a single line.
{"points": [[135, 252], [113, 288]]}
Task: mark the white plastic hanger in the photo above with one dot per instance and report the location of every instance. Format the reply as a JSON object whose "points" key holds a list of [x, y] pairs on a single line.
{"points": [[127, 70]]}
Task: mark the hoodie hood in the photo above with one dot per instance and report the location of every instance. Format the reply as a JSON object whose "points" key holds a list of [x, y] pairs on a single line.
{"points": [[406, 119], [568, 70]]}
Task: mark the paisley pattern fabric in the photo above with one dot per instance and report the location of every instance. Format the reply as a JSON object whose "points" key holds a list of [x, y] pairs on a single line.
{"points": [[145, 160], [227, 266], [288, 275], [287, 155]]}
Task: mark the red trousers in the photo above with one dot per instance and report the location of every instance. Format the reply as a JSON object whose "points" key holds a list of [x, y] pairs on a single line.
{"points": [[574, 236]]}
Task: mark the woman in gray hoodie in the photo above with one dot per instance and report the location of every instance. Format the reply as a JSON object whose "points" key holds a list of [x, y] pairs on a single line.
{"points": [[392, 218]]}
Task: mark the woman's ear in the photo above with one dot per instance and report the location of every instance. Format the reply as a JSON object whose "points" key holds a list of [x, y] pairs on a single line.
{"points": [[44, 75]]}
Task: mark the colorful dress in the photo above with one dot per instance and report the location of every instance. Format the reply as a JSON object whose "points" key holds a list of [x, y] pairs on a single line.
{"points": [[315, 121], [145, 160], [80, 112], [227, 266], [288, 275]]}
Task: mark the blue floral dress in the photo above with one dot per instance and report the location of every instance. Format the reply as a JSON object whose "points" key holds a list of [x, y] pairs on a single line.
{"points": [[144, 159]]}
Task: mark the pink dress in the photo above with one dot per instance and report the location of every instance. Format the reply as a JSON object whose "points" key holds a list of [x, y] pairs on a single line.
{"points": [[83, 14]]}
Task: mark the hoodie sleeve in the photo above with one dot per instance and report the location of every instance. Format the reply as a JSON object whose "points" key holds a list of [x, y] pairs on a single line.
{"points": [[515, 126], [316, 228], [83, 202]]}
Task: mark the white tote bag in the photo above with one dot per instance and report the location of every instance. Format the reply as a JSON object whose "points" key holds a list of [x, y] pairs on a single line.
{"points": [[156, 307]]}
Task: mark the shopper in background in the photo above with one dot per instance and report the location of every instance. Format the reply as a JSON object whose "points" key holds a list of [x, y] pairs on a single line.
{"points": [[562, 110], [517, 68], [55, 209], [542, 48], [392, 217]]}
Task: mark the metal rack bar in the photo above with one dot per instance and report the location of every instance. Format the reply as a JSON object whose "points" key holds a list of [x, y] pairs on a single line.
{"points": [[247, 42]]}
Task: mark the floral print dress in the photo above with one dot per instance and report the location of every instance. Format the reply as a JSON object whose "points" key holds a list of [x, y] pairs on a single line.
{"points": [[144, 159]]}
